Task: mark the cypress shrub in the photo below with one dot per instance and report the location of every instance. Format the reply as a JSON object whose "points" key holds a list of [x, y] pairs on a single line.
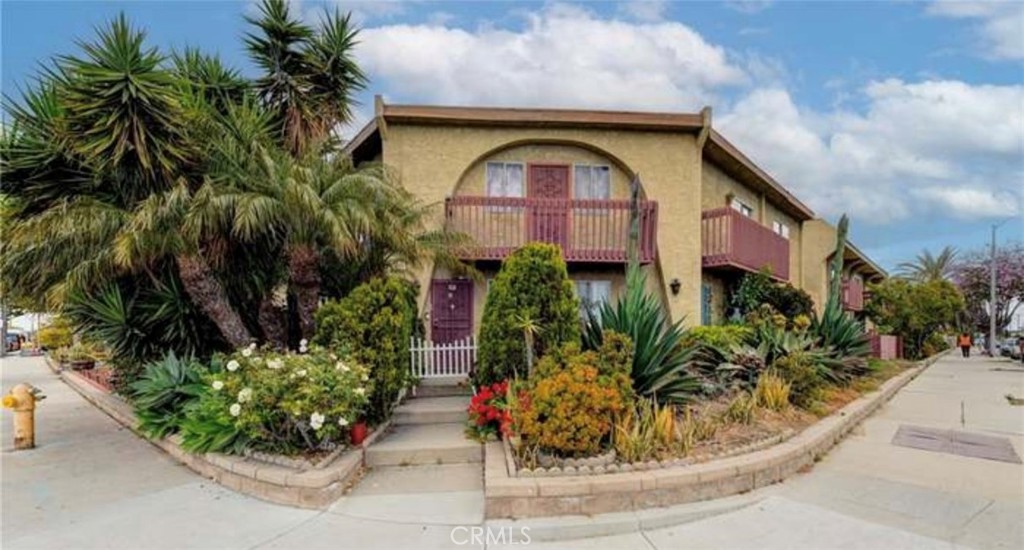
{"points": [[374, 323], [533, 284]]}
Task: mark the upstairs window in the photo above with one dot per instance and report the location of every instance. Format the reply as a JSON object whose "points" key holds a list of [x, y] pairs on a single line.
{"points": [[592, 182], [742, 208], [505, 179], [592, 295], [780, 229]]}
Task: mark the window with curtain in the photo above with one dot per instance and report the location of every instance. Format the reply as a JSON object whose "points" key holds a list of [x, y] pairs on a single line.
{"points": [[592, 182], [592, 294], [780, 229], [742, 208], [504, 179]]}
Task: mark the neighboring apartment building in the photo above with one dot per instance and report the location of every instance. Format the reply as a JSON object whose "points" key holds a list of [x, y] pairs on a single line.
{"points": [[508, 177]]}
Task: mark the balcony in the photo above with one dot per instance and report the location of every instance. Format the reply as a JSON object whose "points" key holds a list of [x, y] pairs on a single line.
{"points": [[587, 230], [731, 240], [853, 294]]}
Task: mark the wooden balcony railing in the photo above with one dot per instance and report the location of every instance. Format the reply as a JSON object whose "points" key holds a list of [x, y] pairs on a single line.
{"points": [[730, 239], [853, 294], [587, 230]]}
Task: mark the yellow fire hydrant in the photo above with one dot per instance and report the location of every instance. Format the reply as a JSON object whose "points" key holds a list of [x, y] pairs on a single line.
{"points": [[22, 400]]}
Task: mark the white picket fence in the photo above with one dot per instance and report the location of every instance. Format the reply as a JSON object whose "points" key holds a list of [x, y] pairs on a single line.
{"points": [[453, 359]]}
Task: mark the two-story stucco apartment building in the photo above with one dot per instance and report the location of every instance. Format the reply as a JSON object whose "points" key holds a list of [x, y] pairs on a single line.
{"points": [[511, 176]]}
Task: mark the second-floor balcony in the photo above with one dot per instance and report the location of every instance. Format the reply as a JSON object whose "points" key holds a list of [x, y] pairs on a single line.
{"points": [[587, 230], [853, 294], [733, 241]]}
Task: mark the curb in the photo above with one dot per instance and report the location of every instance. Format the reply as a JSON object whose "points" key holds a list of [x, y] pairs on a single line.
{"points": [[312, 489], [573, 500]]}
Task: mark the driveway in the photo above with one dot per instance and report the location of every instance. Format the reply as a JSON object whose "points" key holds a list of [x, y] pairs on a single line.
{"points": [[93, 484]]}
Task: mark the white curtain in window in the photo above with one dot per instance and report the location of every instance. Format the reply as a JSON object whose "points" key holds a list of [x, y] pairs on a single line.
{"points": [[504, 179], [592, 182]]}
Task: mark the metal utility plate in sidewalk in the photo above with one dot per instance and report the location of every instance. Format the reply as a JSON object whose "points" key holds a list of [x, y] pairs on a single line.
{"points": [[958, 443]]}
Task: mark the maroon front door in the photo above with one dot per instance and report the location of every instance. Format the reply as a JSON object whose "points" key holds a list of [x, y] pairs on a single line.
{"points": [[451, 311], [549, 219]]}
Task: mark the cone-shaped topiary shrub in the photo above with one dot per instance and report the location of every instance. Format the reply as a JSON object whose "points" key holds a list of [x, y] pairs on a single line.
{"points": [[533, 285]]}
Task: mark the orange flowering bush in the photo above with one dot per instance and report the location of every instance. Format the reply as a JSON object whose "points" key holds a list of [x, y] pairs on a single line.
{"points": [[570, 404]]}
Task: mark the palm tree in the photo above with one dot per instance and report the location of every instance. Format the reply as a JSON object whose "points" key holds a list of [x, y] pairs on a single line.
{"points": [[926, 267], [309, 75], [93, 146], [307, 204]]}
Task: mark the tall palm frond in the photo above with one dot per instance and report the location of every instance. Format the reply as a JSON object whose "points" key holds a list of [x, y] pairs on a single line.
{"points": [[927, 267]]}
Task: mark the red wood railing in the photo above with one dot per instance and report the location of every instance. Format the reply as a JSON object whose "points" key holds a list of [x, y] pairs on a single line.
{"points": [[853, 294], [587, 230], [730, 239]]}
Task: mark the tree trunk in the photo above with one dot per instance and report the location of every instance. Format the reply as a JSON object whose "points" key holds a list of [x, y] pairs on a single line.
{"points": [[273, 316], [304, 278], [206, 292]]}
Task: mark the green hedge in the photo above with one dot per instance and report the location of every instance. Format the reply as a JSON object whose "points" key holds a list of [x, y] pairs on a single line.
{"points": [[374, 323], [533, 284]]}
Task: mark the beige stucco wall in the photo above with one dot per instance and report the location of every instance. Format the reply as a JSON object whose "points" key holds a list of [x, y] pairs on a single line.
{"points": [[818, 241], [431, 160], [718, 295]]}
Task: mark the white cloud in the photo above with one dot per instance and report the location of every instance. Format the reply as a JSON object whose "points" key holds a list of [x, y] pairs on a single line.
{"points": [[1000, 24], [749, 6], [563, 56], [972, 203], [644, 10], [916, 148]]}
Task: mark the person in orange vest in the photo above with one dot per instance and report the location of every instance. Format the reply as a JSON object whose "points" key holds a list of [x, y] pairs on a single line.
{"points": [[964, 341]]}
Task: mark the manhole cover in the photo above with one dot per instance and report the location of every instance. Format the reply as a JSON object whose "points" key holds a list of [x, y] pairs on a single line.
{"points": [[958, 443]]}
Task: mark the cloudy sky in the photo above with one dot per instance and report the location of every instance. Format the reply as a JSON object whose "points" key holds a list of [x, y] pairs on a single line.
{"points": [[909, 116]]}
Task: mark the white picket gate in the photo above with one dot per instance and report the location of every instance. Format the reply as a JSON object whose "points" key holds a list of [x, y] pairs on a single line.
{"points": [[450, 360]]}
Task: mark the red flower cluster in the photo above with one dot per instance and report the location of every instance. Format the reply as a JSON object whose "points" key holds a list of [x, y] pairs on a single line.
{"points": [[488, 411]]}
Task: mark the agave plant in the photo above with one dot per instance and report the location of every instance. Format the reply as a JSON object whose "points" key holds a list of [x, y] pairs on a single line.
{"points": [[661, 362], [164, 391]]}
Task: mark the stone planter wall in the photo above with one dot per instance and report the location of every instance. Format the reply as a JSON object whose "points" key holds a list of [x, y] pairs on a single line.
{"points": [[305, 488], [509, 496]]}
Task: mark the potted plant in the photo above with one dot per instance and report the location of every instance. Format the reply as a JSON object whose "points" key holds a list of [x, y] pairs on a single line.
{"points": [[80, 357], [358, 432]]}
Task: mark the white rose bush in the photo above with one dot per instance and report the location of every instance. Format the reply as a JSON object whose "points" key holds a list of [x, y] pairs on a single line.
{"points": [[271, 401]]}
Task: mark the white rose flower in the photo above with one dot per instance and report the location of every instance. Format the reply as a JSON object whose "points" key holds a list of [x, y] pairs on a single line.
{"points": [[342, 422], [316, 420], [300, 373], [233, 365], [218, 385], [244, 395], [246, 352], [303, 342], [235, 409], [252, 345], [365, 377], [275, 363], [360, 391], [303, 349]]}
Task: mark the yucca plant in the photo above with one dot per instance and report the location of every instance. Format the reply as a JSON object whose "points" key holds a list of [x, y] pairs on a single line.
{"points": [[661, 361], [163, 392]]}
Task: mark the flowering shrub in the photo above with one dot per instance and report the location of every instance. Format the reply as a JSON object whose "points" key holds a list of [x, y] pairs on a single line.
{"points": [[489, 412], [282, 402], [571, 413]]}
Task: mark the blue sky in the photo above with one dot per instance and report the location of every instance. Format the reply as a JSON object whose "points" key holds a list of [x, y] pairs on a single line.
{"points": [[907, 115]]}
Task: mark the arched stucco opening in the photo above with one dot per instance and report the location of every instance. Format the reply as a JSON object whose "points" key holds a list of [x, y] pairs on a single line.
{"points": [[469, 181]]}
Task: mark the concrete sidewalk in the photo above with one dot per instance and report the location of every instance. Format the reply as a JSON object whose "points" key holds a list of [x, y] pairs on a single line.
{"points": [[92, 484]]}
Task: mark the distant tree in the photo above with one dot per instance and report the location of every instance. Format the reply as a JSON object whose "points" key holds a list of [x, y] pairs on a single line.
{"points": [[926, 267], [973, 275], [914, 311]]}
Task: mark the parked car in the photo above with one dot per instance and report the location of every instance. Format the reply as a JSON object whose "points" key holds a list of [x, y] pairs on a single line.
{"points": [[1009, 348], [13, 342]]}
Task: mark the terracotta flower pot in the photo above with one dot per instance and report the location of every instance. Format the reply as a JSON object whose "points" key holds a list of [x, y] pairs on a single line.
{"points": [[358, 433]]}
